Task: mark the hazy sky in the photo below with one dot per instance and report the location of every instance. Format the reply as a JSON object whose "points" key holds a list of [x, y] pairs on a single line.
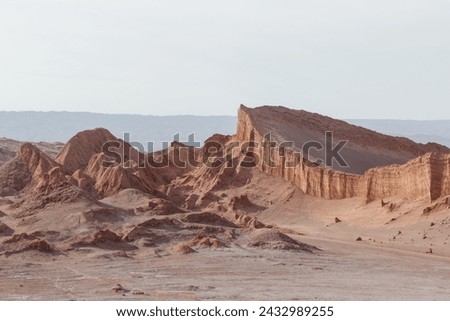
{"points": [[346, 59]]}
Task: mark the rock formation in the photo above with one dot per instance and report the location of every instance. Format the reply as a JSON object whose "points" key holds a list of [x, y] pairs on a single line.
{"points": [[78, 151], [184, 199], [365, 148], [425, 177], [29, 165], [9, 148], [5, 155]]}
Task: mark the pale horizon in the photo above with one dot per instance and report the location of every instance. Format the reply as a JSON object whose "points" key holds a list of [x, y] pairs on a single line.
{"points": [[346, 59], [211, 115]]}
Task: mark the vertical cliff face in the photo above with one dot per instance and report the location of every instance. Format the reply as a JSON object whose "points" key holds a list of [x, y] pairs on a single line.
{"points": [[440, 176], [290, 165], [410, 181], [425, 177]]}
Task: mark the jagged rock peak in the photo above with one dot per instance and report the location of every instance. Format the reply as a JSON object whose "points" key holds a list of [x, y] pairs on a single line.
{"points": [[80, 148], [29, 165]]}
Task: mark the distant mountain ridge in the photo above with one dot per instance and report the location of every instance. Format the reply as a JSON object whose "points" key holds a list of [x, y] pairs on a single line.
{"points": [[421, 131], [61, 126]]}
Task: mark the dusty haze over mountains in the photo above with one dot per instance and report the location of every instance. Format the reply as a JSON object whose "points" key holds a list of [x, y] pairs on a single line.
{"points": [[143, 129], [159, 129], [247, 217]]}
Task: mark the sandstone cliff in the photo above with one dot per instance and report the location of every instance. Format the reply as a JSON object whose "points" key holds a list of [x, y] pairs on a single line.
{"points": [[365, 148], [425, 177]]}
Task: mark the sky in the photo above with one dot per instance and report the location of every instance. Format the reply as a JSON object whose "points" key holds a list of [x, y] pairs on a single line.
{"points": [[382, 59]]}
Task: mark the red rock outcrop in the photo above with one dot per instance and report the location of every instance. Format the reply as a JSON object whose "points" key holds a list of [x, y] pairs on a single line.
{"points": [[10, 147], [109, 180], [29, 165], [273, 239], [79, 150], [206, 241], [365, 148], [108, 169], [5, 155], [37, 162], [23, 242], [425, 177]]}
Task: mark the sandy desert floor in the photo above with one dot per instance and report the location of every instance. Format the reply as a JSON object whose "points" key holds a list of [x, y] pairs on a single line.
{"points": [[344, 270]]}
